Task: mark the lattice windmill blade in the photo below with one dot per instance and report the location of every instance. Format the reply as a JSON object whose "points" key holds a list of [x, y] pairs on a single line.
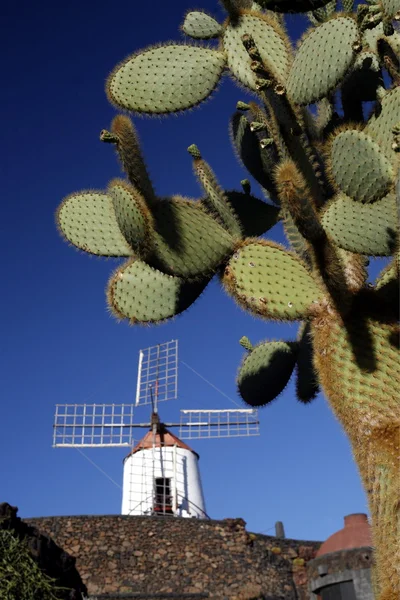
{"points": [[200, 424], [94, 425], [158, 374]]}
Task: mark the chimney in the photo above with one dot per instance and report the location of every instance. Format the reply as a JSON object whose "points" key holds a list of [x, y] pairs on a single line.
{"points": [[279, 530]]}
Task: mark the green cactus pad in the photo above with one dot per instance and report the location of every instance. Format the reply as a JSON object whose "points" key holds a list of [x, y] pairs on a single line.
{"points": [[293, 6], [359, 168], [142, 294], [200, 25], [380, 125], [271, 43], [390, 7], [131, 213], [165, 79], [322, 60], [215, 201], [270, 282], [369, 229], [187, 242], [265, 372], [307, 386], [87, 220], [255, 216], [260, 163]]}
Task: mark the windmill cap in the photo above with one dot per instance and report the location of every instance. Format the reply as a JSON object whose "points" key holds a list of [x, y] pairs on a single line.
{"points": [[163, 439], [356, 533]]}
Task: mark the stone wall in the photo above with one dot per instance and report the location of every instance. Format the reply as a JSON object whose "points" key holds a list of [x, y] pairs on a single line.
{"points": [[170, 555]]}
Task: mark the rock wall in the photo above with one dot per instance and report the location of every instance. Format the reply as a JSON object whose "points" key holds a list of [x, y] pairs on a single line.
{"points": [[156, 555], [50, 558]]}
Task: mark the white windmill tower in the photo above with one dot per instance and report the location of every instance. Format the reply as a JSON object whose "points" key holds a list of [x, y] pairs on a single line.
{"points": [[160, 474]]}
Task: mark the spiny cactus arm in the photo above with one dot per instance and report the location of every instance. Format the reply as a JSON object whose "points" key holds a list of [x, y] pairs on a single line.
{"points": [[246, 344], [307, 386], [142, 295], [268, 281], [186, 240], [216, 201], [258, 161], [255, 216], [364, 356], [133, 217], [357, 165], [295, 198], [291, 125], [87, 220], [265, 371], [124, 136], [165, 79], [337, 42], [296, 240], [200, 25], [293, 6], [272, 42], [369, 229]]}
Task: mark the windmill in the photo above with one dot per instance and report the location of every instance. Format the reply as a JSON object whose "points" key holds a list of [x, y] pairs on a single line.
{"points": [[160, 474]]}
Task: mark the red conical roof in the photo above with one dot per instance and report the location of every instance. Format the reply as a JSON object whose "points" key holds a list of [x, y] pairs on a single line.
{"points": [[163, 438], [355, 534]]}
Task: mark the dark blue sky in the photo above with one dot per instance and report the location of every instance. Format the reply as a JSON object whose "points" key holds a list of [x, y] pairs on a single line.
{"points": [[60, 345]]}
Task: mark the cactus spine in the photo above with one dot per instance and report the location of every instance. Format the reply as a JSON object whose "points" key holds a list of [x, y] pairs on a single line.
{"points": [[331, 180]]}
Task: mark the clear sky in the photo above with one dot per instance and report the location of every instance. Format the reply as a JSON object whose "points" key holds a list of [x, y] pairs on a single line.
{"points": [[59, 343]]}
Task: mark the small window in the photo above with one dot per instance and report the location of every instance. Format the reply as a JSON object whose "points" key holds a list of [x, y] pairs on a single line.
{"points": [[163, 498], [338, 591]]}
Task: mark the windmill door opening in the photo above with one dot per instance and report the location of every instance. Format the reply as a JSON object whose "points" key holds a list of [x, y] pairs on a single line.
{"points": [[163, 498]]}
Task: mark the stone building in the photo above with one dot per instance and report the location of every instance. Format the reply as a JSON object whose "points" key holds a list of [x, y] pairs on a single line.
{"points": [[163, 557]]}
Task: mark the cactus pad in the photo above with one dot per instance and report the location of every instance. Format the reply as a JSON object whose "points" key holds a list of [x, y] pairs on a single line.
{"points": [[270, 282], [307, 386], [200, 25], [255, 216], [187, 242], [165, 79], [265, 372], [390, 7], [142, 294], [271, 43], [381, 124], [332, 42], [359, 168], [131, 213], [369, 229], [88, 221]]}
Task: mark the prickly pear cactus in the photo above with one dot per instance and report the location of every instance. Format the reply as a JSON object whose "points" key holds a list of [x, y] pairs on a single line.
{"points": [[331, 181]]}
